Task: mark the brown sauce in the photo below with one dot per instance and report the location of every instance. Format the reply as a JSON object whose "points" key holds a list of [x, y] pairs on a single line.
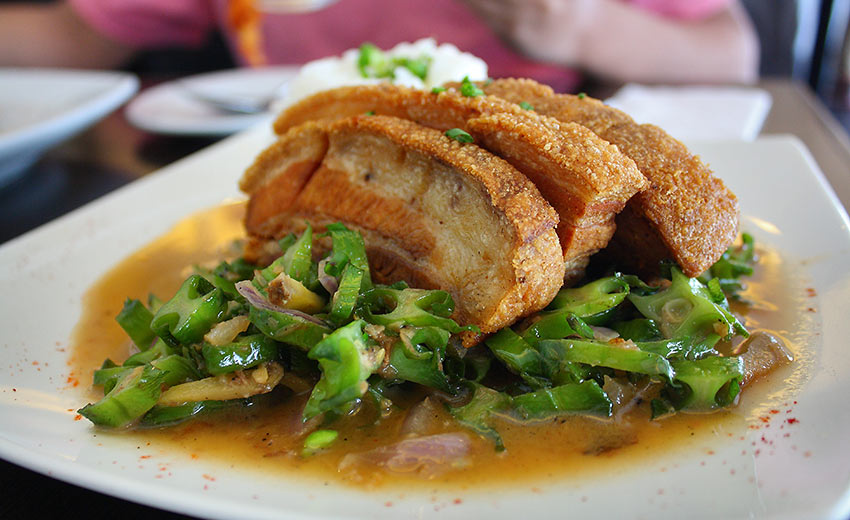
{"points": [[269, 439]]}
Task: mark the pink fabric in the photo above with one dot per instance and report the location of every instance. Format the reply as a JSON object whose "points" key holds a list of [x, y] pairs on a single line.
{"points": [[298, 38], [686, 10], [149, 23]]}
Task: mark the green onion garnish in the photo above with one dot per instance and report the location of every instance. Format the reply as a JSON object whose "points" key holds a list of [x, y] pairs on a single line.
{"points": [[459, 135], [526, 105], [470, 89]]}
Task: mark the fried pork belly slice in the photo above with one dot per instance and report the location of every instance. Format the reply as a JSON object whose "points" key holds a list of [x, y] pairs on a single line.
{"points": [[686, 212], [433, 212], [586, 179]]}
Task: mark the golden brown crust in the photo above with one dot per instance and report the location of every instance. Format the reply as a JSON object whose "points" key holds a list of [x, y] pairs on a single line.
{"points": [[308, 144], [441, 111], [690, 210], [586, 179], [434, 211]]}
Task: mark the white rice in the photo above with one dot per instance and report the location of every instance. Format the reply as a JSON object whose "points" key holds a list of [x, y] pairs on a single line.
{"points": [[448, 63]]}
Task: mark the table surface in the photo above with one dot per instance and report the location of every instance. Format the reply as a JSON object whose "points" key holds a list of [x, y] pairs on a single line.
{"points": [[113, 153]]}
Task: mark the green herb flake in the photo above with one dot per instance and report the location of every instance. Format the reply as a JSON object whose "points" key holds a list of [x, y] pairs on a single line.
{"points": [[370, 113], [437, 90], [318, 440], [470, 89], [526, 105], [582, 95], [459, 135]]}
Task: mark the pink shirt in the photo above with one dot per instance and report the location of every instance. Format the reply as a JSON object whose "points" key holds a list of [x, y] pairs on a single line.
{"points": [[298, 38]]}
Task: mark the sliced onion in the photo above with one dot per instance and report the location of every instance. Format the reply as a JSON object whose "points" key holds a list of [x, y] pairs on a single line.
{"points": [[330, 283], [604, 333], [423, 418], [427, 456], [256, 299], [226, 331], [761, 354]]}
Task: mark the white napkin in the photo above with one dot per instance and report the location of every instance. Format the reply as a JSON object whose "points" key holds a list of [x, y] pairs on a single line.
{"points": [[693, 113]]}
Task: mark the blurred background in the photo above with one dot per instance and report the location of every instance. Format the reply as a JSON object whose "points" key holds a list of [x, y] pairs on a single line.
{"points": [[806, 40]]}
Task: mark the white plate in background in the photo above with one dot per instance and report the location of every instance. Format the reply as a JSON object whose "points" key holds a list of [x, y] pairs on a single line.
{"points": [[708, 112], [171, 108], [40, 108], [798, 469]]}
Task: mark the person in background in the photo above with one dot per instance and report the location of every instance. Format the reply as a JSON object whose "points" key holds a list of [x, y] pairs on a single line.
{"points": [[553, 41]]}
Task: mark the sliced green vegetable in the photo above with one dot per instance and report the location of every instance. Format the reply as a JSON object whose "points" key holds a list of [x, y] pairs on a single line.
{"points": [[246, 352], [688, 309], [710, 383], [396, 308], [345, 298], [109, 377], [586, 397], [348, 248], [347, 358], [288, 328], [418, 357], [177, 369], [134, 395], [592, 302], [598, 354], [159, 416], [519, 356], [476, 414], [135, 319], [639, 329], [737, 261], [186, 317], [159, 349]]}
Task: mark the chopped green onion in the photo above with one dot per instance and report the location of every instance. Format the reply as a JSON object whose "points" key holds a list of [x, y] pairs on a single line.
{"points": [[526, 105], [135, 319], [470, 89], [318, 440], [459, 135]]}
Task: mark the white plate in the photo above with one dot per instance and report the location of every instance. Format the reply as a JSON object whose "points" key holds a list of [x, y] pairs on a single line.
{"points": [[701, 112], [170, 108], [792, 469], [41, 107]]}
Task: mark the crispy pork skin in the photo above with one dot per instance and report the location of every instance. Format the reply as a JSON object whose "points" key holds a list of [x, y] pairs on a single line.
{"points": [[686, 213], [433, 212], [585, 178]]}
